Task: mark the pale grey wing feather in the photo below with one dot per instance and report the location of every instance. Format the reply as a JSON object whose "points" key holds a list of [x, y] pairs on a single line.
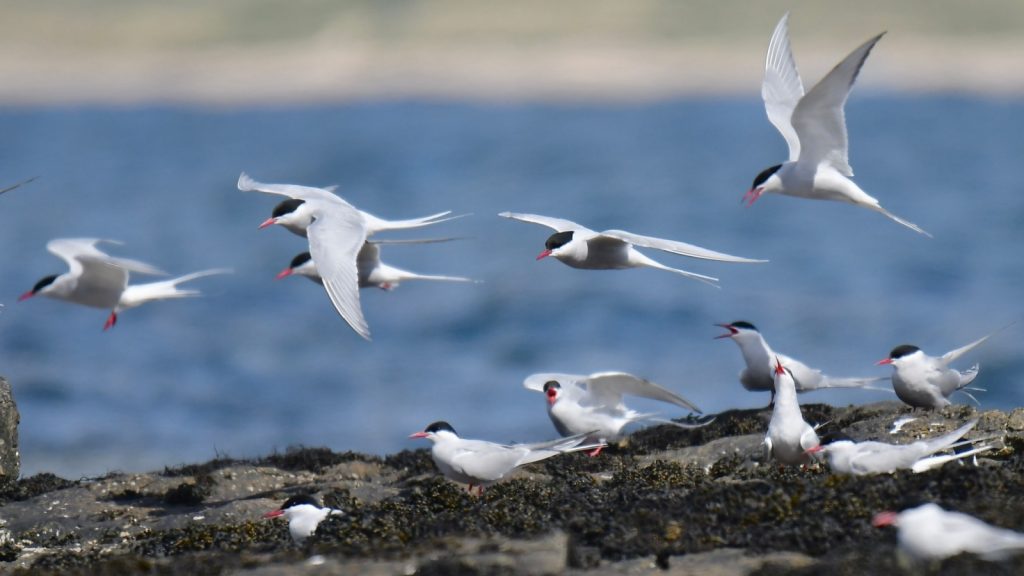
{"points": [[932, 445], [819, 119], [952, 355], [335, 237], [782, 87], [537, 381], [675, 247], [610, 386], [558, 224], [380, 242], [247, 184], [76, 251], [484, 460], [878, 457], [368, 257]]}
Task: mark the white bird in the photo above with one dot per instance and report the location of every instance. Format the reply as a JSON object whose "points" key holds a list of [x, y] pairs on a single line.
{"points": [[372, 272], [336, 231], [96, 279], [928, 533], [924, 381], [814, 127], [580, 247], [481, 463], [304, 514], [593, 405], [759, 374], [789, 436], [863, 458]]}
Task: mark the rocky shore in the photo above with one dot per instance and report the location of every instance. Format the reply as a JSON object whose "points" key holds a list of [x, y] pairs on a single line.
{"points": [[670, 501]]}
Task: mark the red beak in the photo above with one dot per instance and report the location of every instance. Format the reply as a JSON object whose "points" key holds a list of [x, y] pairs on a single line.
{"points": [[729, 328], [751, 196], [418, 435], [111, 320], [543, 254], [283, 274], [884, 519], [273, 514], [814, 449], [883, 362], [552, 396], [26, 296], [268, 222]]}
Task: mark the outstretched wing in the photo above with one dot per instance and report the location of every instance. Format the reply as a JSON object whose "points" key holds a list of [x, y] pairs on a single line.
{"points": [[247, 184], [558, 224], [609, 387], [782, 88], [681, 248]]}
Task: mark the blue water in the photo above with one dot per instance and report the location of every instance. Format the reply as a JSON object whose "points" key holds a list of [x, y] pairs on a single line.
{"points": [[259, 365]]}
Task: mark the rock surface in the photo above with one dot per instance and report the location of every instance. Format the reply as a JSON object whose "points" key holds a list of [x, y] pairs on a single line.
{"points": [[670, 500], [10, 460]]}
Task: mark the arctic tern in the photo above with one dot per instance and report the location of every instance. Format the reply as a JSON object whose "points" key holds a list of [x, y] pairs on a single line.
{"points": [[580, 247], [929, 533], [760, 370], [789, 436], [924, 381], [814, 127], [372, 272], [303, 514], [336, 231], [481, 463], [593, 405], [864, 458], [96, 279]]}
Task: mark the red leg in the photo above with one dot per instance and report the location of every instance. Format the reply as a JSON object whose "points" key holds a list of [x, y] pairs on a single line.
{"points": [[111, 320], [593, 453]]}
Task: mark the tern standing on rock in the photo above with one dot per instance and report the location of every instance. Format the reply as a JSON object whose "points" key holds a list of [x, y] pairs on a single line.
{"points": [[304, 514], [789, 437], [930, 533], [481, 463], [579, 404], [814, 127]]}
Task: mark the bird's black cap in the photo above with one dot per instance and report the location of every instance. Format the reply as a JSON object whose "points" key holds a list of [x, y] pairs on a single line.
{"points": [[287, 207], [552, 384], [44, 283], [300, 259], [300, 500], [903, 350], [765, 174], [744, 324], [439, 426], [558, 239]]}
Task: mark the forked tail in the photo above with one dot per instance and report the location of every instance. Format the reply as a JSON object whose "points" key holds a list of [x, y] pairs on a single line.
{"points": [[137, 294], [902, 221]]}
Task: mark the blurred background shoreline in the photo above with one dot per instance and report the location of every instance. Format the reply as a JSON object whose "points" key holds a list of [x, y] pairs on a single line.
{"points": [[55, 52]]}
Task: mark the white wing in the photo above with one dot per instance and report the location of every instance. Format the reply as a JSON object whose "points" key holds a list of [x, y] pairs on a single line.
{"points": [[79, 251], [952, 355], [558, 224], [782, 88], [819, 119], [247, 184], [335, 238], [681, 248], [610, 386]]}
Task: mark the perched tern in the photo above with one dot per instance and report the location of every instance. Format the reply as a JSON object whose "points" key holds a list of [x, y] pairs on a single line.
{"points": [[789, 437], [304, 514], [593, 405], [814, 127], [372, 272], [864, 458], [336, 231], [928, 533], [759, 375], [96, 279], [481, 463], [580, 247], [924, 381]]}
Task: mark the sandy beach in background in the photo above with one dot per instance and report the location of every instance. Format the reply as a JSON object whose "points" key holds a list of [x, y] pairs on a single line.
{"points": [[260, 52]]}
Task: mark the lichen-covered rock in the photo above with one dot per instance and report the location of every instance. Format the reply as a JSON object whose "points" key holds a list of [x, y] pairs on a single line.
{"points": [[10, 460]]}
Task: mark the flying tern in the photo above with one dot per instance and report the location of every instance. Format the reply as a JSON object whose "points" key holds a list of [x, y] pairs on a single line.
{"points": [[924, 381], [372, 272], [929, 533], [336, 231], [789, 436], [759, 374], [303, 514], [814, 127], [864, 458], [481, 463], [593, 405], [97, 279], [580, 247]]}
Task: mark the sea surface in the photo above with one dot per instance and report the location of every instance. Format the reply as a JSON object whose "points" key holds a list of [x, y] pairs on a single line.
{"points": [[258, 365]]}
